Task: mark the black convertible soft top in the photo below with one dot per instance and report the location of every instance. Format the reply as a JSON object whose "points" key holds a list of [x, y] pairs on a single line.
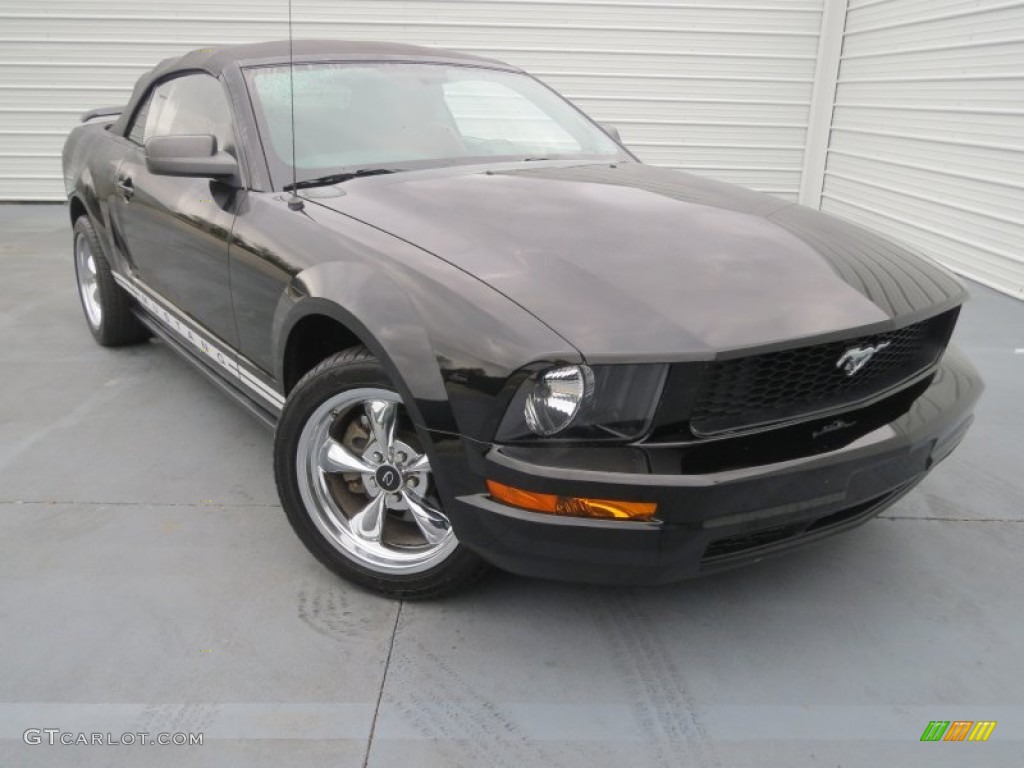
{"points": [[215, 60]]}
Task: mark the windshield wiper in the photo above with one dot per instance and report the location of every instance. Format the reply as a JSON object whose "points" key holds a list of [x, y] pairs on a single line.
{"points": [[337, 178]]}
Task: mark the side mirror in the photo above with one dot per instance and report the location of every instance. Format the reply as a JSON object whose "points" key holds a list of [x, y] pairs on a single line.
{"points": [[194, 155], [612, 131]]}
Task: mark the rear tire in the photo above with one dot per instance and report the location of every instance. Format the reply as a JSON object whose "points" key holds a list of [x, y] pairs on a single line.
{"points": [[107, 308], [357, 486]]}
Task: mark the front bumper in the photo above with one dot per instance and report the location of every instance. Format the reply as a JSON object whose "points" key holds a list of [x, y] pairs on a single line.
{"points": [[707, 521]]}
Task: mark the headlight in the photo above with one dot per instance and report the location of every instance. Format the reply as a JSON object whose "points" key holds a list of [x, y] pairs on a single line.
{"points": [[555, 398], [579, 402]]}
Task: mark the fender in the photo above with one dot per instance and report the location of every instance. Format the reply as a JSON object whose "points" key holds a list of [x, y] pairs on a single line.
{"points": [[449, 341], [380, 314]]}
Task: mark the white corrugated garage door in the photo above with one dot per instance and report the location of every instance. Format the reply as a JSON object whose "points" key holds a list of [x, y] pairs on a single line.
{"points": [[927, 133], [927, 139], [718, 86]]}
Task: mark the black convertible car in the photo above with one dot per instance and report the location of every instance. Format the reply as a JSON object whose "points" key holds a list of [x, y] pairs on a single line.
{"points": [[486, 333]]}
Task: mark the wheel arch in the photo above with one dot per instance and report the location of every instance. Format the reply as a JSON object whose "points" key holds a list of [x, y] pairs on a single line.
{"points": [[76, 208], [82, 202], [313, 337], [314, 326]]}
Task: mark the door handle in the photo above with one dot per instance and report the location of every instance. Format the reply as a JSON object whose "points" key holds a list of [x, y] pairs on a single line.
{"points": [[125, 187]]}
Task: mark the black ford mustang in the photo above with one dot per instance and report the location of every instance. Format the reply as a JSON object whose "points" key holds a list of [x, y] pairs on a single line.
{"points": [[486, 333]]}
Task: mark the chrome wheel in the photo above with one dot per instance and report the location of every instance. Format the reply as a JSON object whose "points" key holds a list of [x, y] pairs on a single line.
{"points": [[368, 487], [88, 280]]}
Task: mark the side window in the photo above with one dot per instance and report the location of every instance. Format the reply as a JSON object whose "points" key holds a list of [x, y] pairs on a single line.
{"points": [[186, 105]]}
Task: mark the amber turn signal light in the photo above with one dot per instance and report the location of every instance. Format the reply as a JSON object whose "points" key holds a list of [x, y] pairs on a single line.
{"points": [[573, 506]]}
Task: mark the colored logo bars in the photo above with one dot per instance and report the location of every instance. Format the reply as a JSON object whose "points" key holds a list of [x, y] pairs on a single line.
{"points": [[958, 730]]}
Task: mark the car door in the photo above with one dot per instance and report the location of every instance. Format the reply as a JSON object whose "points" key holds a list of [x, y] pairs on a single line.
{"points": [[175, 229]]}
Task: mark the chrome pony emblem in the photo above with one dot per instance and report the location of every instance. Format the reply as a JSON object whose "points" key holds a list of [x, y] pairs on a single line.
{"points": [[856, 358]]}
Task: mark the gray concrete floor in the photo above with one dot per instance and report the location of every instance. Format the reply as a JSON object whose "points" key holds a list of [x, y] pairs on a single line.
{"points": [[149, 582]]}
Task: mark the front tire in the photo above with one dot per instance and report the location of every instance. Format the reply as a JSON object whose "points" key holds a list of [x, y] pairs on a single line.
{"points": [[107, 308], [357, 486]]}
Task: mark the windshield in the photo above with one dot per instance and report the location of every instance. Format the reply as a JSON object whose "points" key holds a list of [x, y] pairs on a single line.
{"points": [[402, 115]]}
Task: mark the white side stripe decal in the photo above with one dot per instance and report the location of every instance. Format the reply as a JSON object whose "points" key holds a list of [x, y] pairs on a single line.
{"points": [[258, 386], [189, 331]]}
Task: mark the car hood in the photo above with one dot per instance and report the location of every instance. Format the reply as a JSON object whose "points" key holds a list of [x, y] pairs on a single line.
{"points": [[642, 263]]}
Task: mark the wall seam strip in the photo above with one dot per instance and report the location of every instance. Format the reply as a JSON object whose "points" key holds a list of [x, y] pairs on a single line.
{"points": [[823, 99]]}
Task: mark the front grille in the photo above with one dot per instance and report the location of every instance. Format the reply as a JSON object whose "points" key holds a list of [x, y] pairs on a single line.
{"points": [[758, 390]]}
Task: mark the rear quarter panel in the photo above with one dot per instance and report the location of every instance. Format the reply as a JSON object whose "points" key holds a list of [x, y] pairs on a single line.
{"points": [[90, 160]]}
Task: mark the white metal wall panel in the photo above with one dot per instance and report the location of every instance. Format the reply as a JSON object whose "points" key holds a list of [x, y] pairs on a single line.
{"points": [[927, 139], [720, 87]]}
